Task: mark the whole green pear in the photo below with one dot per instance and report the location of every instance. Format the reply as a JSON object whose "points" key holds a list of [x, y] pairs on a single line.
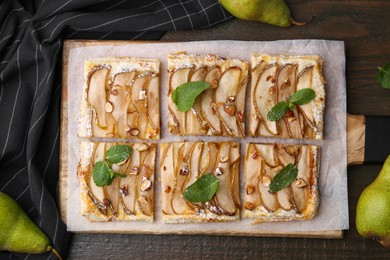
{"points": [[18, 233], [275, 12], [373, 208]]}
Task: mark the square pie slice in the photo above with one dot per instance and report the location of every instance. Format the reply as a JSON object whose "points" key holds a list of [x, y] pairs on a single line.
{"points": [[275, 79], [299, 200], [125, 199], [181, 164], [220, 109], [121, 98]]}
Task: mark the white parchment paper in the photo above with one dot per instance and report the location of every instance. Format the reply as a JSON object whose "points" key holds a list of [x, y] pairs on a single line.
{"points": [[333, 209]]}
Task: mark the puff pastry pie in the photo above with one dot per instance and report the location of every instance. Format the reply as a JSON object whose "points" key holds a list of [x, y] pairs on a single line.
{"points": [[275, 79], [182, 164], [126, 199], [220, 109], [121, 98], [299, 200]]}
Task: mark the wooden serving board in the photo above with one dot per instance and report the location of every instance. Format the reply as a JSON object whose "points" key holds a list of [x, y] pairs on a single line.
{"points": [[355, 140]]}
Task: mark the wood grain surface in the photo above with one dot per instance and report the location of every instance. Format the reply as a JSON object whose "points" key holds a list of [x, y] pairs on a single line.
{"points": [[364, 26]]}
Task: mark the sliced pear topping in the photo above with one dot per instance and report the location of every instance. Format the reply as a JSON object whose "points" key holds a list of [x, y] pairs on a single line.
{"points": [[305, 79], [207, 99], [300, 191], [97, 95], [285, 198], [138, 85], [284, 157], [194, 164], [286, 82], [144, 205], [109, 131], [131, 181], [224, 193], [267, 153], [253, 169], [114, 195], [153, 103], [264, 98], [176, 79], [97, 192], [167, 177], [228, 88], [195, 119], [212, 153], [121, 101], [269, 200]]}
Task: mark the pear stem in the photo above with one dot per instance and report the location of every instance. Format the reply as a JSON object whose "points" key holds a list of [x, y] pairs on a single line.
{"points": [[301, 23], [56, 253]]}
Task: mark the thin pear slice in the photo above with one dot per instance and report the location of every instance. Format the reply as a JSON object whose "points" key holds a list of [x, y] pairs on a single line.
{"points": [[254, 118], [194, 164], [194, 117], [212, 153], [176, 79], [269, 200], [301, 194], [139, 85], [228, 87], [131, 181], [167, 166], [253, 169], [120, 99], [305, 79], [284, 157], [224, 193], [145, 199], [109, 131], [263, 97], [285, 198], [153, 95], [240, 107], [267, 153], [112, 192], [98, 192], [97, 95], [179, 205], [207, 100]]}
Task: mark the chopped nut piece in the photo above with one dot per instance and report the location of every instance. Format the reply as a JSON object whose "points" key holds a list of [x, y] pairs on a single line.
{"points": [[146, 171], [114, 92], [300, 183], [109, 82], [165, 168], [224, 159], [127, 128], [278, 168], [219, 171], [135, 170], [106, 202], [168, 189], [124, 190], [241, 116], [109, 107], [146, 185], [142, 95], [249, 206], [230, 100], [230, 109], [184, 170], [255, 156], [266, 181], [272, 90], [250, 189], [269, 77], [141, 147], [134, 131], [144, 205]]}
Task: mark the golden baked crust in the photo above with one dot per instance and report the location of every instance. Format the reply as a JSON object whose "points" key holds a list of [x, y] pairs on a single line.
{"points": [[182, 164], [299, 200], [274, 79], [124, 199], [220, 109], [121, 98]]}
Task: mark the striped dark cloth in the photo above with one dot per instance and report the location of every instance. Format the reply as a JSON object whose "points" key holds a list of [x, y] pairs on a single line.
{"points": [[31, 35]]}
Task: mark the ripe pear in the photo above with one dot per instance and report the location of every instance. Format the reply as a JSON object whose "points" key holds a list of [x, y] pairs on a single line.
{"points": [[18, 233], [373, 208], [275, 12]]}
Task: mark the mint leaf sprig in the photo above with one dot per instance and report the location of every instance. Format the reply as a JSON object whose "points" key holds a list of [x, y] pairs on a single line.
{"points": [[102, 173], [284, 178], [383, 76], [203, 189], [300, 97], [184, 95]]}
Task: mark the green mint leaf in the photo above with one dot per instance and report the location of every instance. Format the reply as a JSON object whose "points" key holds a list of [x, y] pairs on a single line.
{"points": [[303, 96], [203, 189], [118, 153], [277, 111], [284, 178], [101, 174], [184, 95], [383, 76]]}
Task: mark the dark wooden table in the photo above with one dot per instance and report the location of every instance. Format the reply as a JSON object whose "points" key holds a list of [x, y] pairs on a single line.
{"points": [[365, 28]]}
